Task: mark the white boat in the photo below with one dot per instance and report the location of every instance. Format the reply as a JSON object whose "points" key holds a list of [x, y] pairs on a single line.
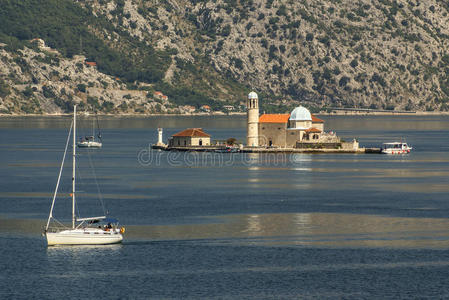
{"points": [[396, 148], [84, 231], [89, 141]]}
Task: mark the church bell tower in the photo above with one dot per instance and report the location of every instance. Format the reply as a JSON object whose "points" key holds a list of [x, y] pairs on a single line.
{"points": [[252, 106]]}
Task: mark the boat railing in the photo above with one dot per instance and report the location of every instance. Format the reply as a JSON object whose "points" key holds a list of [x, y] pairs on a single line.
{"points": [[56, 229]]}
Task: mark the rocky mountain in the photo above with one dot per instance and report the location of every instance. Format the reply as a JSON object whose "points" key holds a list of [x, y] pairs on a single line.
{"points": [[114, 55]]}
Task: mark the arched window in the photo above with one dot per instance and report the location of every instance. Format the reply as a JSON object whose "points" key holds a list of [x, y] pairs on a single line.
{"points": [[201, 142]]}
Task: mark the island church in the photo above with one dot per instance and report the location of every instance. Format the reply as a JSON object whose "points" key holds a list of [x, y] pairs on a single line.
{"points": [[299, 129]]}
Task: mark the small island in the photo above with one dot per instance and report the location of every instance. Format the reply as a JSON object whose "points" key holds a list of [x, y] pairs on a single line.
{"points": [[298, 131]]}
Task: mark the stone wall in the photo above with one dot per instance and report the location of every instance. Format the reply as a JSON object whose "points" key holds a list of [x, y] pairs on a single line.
{"points": [[319, 126], [293, 136], [196, 141], [300, 124], [274, 132], [186, 141], [300, 145], [354, 145]]}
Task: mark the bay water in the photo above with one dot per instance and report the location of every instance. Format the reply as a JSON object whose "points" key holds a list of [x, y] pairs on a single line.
{"points": [[228, 226]]}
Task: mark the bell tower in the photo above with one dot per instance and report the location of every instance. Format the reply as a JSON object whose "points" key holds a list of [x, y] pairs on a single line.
{"points": [[252, 106]]}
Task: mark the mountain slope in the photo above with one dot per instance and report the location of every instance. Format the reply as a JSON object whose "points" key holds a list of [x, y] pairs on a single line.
{"points": [[370, 54]]}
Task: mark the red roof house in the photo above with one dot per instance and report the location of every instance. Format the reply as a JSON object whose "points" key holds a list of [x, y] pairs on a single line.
{"points": [[192, 132], [190, 137]]}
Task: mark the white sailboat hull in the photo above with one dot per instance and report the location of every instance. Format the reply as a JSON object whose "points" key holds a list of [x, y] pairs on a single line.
{"points": [[87, 236], [89, 144]]}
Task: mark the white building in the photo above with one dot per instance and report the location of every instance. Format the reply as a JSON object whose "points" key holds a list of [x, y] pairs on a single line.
{"points": [[189, 137]]}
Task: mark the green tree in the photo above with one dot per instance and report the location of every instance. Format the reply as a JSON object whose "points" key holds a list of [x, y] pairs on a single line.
{"points": [[4, 89], [343, 81], [309, 37], [48, 92], [28, 91], [81, 87]]}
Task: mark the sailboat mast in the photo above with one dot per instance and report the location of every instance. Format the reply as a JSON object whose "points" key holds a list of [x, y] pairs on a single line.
{"points": [[73, 166]]}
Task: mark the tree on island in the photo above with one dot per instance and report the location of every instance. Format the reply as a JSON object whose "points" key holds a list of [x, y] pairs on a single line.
{"points": [[230, 141]]}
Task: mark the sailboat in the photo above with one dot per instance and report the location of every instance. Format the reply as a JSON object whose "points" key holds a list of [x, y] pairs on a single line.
{"points": [[89, 140], [84, 231]]}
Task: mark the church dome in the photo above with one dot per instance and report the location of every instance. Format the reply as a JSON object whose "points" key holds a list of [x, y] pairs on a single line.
{"points": [[252, 95], [300, 114]]}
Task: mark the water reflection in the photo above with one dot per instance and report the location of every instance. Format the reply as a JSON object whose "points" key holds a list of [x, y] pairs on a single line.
{"points": [[312, 229], [307, 229], [254, 226], [276, 224], [301, 162], [81, 250], [76, 259]]}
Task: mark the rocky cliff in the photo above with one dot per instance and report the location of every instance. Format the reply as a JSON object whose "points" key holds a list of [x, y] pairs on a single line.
{"points": [[378, 54]]}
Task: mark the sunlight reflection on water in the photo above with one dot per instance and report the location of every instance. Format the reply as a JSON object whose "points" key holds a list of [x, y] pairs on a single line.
{"points": [[308, 229]]}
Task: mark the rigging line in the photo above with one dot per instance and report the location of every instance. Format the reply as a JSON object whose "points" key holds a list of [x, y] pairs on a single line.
{"points": [[59, 177], [57, 221], [100, 196]]}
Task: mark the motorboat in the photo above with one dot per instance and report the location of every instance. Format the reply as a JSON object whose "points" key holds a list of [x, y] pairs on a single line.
{"points": [[396, 148]]}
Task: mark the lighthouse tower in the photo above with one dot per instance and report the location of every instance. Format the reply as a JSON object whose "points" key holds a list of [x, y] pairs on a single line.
{"points": [[159, 137], [252, 105]]}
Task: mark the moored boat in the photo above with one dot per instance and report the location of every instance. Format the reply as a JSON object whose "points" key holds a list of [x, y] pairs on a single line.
{"points": [[89, 142], [396, 148]]}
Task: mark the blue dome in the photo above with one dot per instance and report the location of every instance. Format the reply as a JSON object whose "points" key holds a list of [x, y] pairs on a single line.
{"points": [[300, 114], [252, 95]]}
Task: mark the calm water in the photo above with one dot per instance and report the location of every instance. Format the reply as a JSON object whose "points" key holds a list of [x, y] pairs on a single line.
{"points": [[321, 226]]}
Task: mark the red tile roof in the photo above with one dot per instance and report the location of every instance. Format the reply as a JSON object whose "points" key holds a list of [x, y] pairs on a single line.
{"points": [[274, 118], [313, 129], [316, 120], [192, 132]]}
